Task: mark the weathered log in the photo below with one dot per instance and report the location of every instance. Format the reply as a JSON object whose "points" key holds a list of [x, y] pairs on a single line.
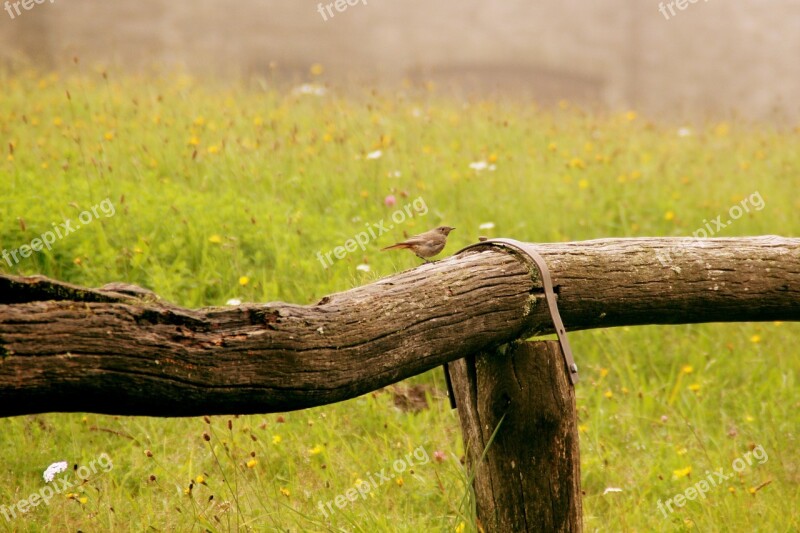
{"points": [[116, 351], [519, 424]]}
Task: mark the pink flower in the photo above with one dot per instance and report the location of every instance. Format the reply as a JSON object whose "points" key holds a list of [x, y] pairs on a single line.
{"points": [[438, 456], [389, 200]]}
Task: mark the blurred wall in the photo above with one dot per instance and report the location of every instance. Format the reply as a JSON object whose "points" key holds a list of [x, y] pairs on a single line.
{"points": [[711, 58]]}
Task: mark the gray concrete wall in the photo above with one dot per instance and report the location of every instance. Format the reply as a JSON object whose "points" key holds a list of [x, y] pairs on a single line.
{"points": [[708, 59]]}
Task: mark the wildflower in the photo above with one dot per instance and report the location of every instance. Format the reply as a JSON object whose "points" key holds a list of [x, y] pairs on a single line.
{"points": [[611, 489], [215, 239], [482, 165], [486, 225], [684, 132], [200, 480], [316, 69], [276, 439], [583, 184], [109, 136], [608, 394], [755, 339], [694, 387], [234, 301], [309, 88], [683, 472], [399, 482], [285, 491], [362, 268], [244, 280], [576, 162], [687, 369], [630, 116], [669, 215], [316, 450], [252, 464], [213, 149], [438, 456], [377, 154], [389, 201], [55, 468]]}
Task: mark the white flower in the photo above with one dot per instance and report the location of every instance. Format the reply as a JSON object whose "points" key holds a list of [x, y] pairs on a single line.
{"points": [[375, 155], [363, 268], [310, 88], [53, 469], [234, 301], [477, 166], [611, 489], [684, 132], [486, 225]]}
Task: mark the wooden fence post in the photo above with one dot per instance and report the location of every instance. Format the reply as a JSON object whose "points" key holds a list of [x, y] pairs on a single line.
{"points": [[529, 477]]}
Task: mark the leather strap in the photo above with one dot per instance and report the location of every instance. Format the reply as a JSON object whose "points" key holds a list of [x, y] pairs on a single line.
{"points": [[550, 298]]}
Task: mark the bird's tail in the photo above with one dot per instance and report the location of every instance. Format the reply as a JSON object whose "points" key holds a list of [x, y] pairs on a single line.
{"points": [[396, 246]]}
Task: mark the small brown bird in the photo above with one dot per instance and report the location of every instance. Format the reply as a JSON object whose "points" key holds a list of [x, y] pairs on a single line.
{"points": [[426, 244]]}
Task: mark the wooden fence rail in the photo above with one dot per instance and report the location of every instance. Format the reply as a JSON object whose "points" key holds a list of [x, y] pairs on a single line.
{"points": [[121, 350]]}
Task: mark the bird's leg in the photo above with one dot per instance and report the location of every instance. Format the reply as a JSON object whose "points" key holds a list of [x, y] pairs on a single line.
{"points": [[422, 258]]}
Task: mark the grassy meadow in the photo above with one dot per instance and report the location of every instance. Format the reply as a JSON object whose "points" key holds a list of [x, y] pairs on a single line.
{"points": [[206, 192]]}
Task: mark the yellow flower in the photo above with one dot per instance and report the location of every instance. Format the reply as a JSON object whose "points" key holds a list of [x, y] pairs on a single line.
{"points": [[364, 194], [213, 149], [57, 121], [755, 339], [577, 162], [316, 69], [492, 158], [399, 482], [252, 463], [285, 491], [552, 147], [194, 141], [461, 527], [199, 480], [84, 499], [630, 116], [199, 121], [316, 449], [109, 136], [608, 394], [276, 439], [244, 280], [583, 184], [257, 121], [687, 369], [603, 372], [669, 215], [694, 387], [683, 472], [583, 428], [216, 239]]}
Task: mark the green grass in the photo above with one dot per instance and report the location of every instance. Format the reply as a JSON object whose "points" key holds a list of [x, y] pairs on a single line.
{"points": [[226, 191]]}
